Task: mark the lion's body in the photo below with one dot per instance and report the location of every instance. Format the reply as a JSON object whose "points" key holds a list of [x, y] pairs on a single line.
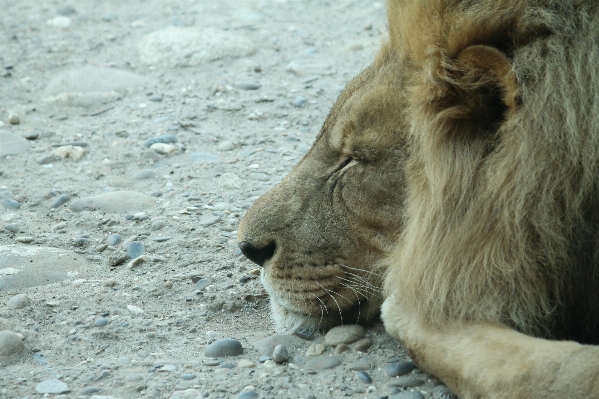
{"points": [[464, 162]]}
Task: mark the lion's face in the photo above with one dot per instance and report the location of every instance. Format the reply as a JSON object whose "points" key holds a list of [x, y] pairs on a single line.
{"points": [[322, 232]]}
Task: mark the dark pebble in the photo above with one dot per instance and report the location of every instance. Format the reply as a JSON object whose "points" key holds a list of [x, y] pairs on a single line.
{"points": [[248, 395], [89, 390], [397, 369], [407, 395], [10, 203], [113, 239], [304, 333], [262, 359], [188, 377], [364, 377], [73, 143], [135, 249], [101, 322], [203, 283], [249, 86], [61, 200], [224, 347], [165, 139]]}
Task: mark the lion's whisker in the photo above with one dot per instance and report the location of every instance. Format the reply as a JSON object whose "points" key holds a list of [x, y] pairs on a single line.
{"points": [[362, 270]]}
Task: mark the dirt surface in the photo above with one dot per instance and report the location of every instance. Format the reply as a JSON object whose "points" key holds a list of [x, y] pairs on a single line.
{"points": [[148, 127]]}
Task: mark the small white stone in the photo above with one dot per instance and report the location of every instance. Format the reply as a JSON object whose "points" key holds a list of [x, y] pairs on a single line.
{"points": [[13, 118], [162, 148], [60, 22], [73, 152], [135, 309], [226, 146]]}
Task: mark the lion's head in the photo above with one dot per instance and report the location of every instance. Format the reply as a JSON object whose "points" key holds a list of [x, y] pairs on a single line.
{"points": [[321, 233]]}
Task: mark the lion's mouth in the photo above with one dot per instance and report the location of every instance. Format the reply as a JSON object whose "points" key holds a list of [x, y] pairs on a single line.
{"points": [[334, 295]]}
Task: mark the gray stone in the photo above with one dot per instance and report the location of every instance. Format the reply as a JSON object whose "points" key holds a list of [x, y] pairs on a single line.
{"points": [[61, 200], [145, 174], [259, 176], [188, 377], [52, 386], [363, 345], [249, 86], [158, 224], [89, 390], [30, 266], [248, 395], [226, 146], [302, 68], [164, 139], [12, 144], [134, 377], [11, 346], [10, 203], [406, 382], [209, 221], [101, 322], [116, 201], [135, 249], [362, 364], [267, 345], [91, 85], [231, 180], [344, 335], [18, 301], [364, 377], [203, 157], [407, 395], [224, 347], [442, 392], [46, 159], [322, 363], [180, 46], [11, 227], [299, 101], [187, 394], [6, 324], [114, 239], [397, 369], [280, 354]]}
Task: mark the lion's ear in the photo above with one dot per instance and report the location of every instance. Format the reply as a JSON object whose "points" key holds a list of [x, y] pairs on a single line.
{"points": [[477, 89]]}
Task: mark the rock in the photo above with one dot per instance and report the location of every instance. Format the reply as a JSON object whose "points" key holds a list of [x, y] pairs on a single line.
{"points": [[397, 369], [158, 224], [315, 350], [135, 249], [116, 201], [344, 335], [224, 347], [341, 348], [89, 390], [114, 239], [14, 118], [259, 176], [134, 377], [69, 151], [168, 368], [179, 46], [249, 86], [442, 392], [280, 354], [145, 174], [267, 345], [18, 301], [322, 363], [101, 322], [164, 139], [135, 310], [163, 149], [209, 221], [407, 395], [12, 144], [61, 200], [188, 377], [406, 382], [363, 345], [203, 157], [60, 21], [226, 146], [299, 101], [25, 239], [306, 68], [117, 258], [91, 86], [10, 203], [186, 394], [46, 159], [246, 364], [11, 346], [52, 386], [231, 180], [6, 324], [364, 377], [362, 364], [201, 284], [248, 395]]}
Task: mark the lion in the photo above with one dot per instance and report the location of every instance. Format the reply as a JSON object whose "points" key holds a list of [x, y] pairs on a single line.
{"points": [[455, 182]]}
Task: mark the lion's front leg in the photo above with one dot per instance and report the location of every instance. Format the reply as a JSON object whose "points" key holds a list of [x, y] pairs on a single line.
{"points": [[482, 360]]}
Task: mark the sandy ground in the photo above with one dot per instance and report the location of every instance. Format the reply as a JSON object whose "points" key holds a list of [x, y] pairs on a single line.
{"points": [[231, 95]]}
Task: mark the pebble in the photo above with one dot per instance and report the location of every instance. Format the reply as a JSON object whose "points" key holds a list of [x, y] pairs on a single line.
{"points": [[231, 180], [117, 258], [186, 394], [249, 86], [344, 335], [191, 46], [89, 390], [267, 345], [101, 322], [299, 101], [259, 176], [188, 377], [224, 347], [248, 395], [12, 228], [162, 239], [134, 377], [304, 333], [364, 377], [363, 345], [46, 159], [361, 364], [280, 354], [72, 152], [135, 249], [322, 363], [407, 395], [114, 239], [61, 200], [164, 139], [316, 350], [24, 239], [163, 149], [201, 284], [397, 369], [14, 118], [158, 224], [407, 382], [10, 203], [12, 144], [226, 146], [168, 368], [246, 364], [443, 392], [18, 301], [341, 348], [209, 221], [6, 324], [11, 346], [52, 386], [135, 310], [116, 201]]}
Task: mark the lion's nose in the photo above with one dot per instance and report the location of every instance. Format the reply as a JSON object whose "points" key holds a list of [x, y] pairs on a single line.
{"points": [[258, 255]]}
